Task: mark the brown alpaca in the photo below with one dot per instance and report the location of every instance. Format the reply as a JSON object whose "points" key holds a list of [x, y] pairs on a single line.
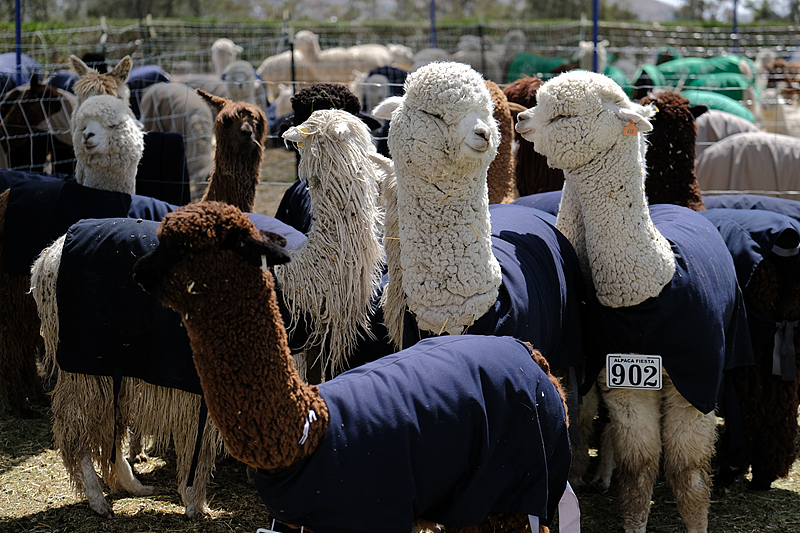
{"points": [[500, 175], [23, 110], [671, 178], [531, 170], [240, 129], [272, 420]]}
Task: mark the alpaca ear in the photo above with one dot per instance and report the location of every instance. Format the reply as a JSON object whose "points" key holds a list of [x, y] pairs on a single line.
{"points": [[697, 110], [385, 109], [270, 246], [79, 66], [639, 115], [34, 81], [123, 69], [217, 102]]}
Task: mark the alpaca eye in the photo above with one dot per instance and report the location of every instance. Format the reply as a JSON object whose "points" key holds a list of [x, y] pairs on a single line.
{"points": [[434, 115]]}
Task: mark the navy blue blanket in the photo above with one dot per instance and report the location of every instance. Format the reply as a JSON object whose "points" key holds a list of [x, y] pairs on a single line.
{"points": [[546, 201], [698, 322], [295, 206], [785, 206], [448, 430], [542, 289], [751, 235], [40, 210], [108, 325]]}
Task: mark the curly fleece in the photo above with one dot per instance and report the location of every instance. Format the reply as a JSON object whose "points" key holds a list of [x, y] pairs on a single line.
{"points": [[109, 159], [450, 275], [670, 160]]}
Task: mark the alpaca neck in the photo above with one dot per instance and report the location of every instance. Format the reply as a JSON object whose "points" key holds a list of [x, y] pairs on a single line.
{"points": [[674, 182], [123, 177], [253, 391], [333, 276], [235, 177], [450, 275], [629, 259]]}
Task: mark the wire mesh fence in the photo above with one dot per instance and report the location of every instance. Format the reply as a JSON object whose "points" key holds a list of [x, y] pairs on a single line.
{"points": [[37, 137]]}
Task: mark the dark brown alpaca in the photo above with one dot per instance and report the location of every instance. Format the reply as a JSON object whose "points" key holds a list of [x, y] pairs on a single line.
{"points": [[240, 129], [22, 110], [671, 152], [500, 175], [532, 173], [210, 266]]}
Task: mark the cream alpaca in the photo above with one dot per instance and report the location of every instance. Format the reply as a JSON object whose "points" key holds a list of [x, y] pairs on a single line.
{"points": [[108, 144], [449, 275], [584, 124], [334, 275]]}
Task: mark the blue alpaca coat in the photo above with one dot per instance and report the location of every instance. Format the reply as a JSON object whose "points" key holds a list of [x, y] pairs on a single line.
{"points": [[108, 325], [697, 323], [449, 430], [540, 297]]}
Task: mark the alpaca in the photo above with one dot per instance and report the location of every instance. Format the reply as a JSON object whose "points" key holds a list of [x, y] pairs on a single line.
{"points": [[635, 259], [715, 125], [671, 177], [531, 170], [455, 265], [766, 249], [177, 107], [751, 161], [90, 82], [332, 292], [500, 175], [295, 206], [223, 53], [333, 307], [289, 429], [241, 129], [24, 110], [108, 144]]}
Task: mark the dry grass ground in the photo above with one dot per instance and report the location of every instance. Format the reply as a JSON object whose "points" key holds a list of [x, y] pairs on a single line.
{"points": [[35, 495]]}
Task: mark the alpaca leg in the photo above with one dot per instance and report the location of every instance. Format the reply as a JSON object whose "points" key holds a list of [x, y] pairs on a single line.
{"points": [[689, 438], [635, 428], [772, 457], [584, 427], [184, 416], [126, 477], [605, 468], [93, 489]]}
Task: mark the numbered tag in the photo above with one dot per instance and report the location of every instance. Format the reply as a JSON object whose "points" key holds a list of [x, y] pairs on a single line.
{"points": [[633, 371]]}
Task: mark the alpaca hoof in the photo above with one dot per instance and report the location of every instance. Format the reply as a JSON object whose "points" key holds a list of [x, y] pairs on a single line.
{"points": [[197, 511], [146, 490], [139, 458], [251, 475], [103, 510], [760, 484]]}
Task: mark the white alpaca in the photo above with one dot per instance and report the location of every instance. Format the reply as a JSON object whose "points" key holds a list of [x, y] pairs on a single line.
{"points": [[453, 261], [584, 124], [223, 53], [334, 275], [92, 83], [108, 143]]}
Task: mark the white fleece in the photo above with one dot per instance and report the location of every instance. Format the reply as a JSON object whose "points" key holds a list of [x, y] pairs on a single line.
{"points": [[442, 139], [578, 124]]}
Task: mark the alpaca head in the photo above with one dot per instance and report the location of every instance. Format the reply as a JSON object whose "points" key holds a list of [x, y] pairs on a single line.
{"points": [[201, 246], [108, 143], [240, 127], [223, 53], [240, 77], [93, 83], [443, 124], [579, 116], [330, 139], [30, 106]]}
